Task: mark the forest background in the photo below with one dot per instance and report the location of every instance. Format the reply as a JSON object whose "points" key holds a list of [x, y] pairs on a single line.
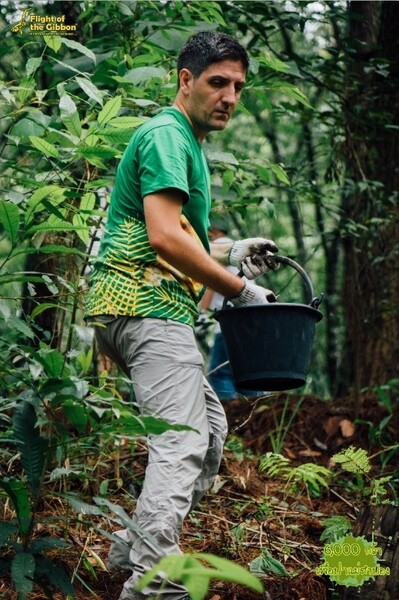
{"points": [[310, 160]]}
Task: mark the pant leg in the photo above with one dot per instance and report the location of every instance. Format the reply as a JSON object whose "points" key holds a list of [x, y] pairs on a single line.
{"points": [[166, 370], [218, 432]]}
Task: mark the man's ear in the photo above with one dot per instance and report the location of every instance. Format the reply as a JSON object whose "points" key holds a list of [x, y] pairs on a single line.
{"points": [[185, 78]]}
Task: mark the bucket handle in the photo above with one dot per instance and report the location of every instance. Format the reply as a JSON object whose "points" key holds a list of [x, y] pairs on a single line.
{"points": [[314, 301]]}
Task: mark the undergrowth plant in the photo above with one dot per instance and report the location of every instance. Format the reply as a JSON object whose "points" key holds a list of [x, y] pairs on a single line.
{"points": [[356, 461], [309, 476], [23, 555]]}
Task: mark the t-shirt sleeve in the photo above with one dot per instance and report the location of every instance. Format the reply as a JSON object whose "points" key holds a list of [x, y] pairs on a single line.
{"points": [[163, 161]]}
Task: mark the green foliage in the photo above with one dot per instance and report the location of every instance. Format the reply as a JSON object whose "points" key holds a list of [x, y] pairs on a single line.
{"points": [[192, 572], [356, 460], [266, 564], [310, 476], [353, 460], [336, 527], [28, 564]]}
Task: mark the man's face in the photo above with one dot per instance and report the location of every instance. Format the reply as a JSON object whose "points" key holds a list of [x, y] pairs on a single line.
{"points": [[212, 97]]}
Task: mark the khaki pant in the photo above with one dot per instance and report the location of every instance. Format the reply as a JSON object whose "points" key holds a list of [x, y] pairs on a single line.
{"points": [[162, 359]]}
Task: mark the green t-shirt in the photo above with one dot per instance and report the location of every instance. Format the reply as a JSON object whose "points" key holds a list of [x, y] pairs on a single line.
{"points": [[128, 277]]}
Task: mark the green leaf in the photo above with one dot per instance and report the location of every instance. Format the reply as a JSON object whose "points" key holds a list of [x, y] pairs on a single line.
{"points": [[223, 157], [279, 173], [75, 413], [87, 204], [97, 152], [126, 122], [116, 136], [47, 543], [70, 115], [79, 47], [52, 361], [32, 65], [271, 62], [30, 444], [90, 89], [45, 147], [189, 569], [18, 493], [26, 127], [7, 530], [21, 326], [53, 224], [110, 110], [42, 307], [9, 219], [53, 41], [289, 90], [57, 195], [231, 571], [143, 74], [22, 572], [55, 575], [267, 564], [51, 249]]}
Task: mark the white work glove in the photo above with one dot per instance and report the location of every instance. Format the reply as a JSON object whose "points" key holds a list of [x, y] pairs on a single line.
{"points": [[253, 294], [253, 256]]}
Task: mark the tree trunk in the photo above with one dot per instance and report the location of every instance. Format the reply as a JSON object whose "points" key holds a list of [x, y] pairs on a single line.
{"points": [[370, 224]]}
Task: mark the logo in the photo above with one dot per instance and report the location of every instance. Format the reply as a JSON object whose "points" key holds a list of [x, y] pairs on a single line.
{"points": [[351, 561], [43, 25]]}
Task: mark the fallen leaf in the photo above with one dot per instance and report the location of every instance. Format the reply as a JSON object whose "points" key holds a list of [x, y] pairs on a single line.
{"points": [[347, 428], [309, 452]]}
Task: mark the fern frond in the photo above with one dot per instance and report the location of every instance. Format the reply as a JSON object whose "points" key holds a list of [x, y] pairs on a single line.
{"points": [[310, 475], [275, 465], [353, 460]]}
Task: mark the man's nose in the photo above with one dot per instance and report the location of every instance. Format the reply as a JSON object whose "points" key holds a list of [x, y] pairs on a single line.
{"points": [[230, 95]]}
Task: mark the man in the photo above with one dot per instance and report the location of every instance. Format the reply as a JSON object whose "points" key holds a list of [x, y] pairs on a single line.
{"points": [[145, 286]]}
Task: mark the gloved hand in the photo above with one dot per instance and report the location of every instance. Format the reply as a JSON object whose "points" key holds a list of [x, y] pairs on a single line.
{"points": [[253, 256], [253, 294]]}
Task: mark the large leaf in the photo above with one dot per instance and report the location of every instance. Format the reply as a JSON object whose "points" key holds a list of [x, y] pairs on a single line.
{"points": [[90, 89], [32, 65], [116, 136], [22, 572], [52, 361], [75, 413], [110, 110], [125, 122], [70, 115], [7, 529], [9, 219], [53, 41], [30, 444], [18, 493], [54, 191], [144, 74], [79, 47], [190, 570], [45, 147], [55, 575]]}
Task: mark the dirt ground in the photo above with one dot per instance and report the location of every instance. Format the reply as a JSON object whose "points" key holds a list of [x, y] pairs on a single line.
{"points": [[247, 512]]}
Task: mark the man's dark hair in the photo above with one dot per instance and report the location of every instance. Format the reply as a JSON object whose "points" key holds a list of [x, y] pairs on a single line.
{"points": [[208, 47]]}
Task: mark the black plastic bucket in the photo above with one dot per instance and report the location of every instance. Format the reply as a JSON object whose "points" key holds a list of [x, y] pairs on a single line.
{"points": [[269, 346]]}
